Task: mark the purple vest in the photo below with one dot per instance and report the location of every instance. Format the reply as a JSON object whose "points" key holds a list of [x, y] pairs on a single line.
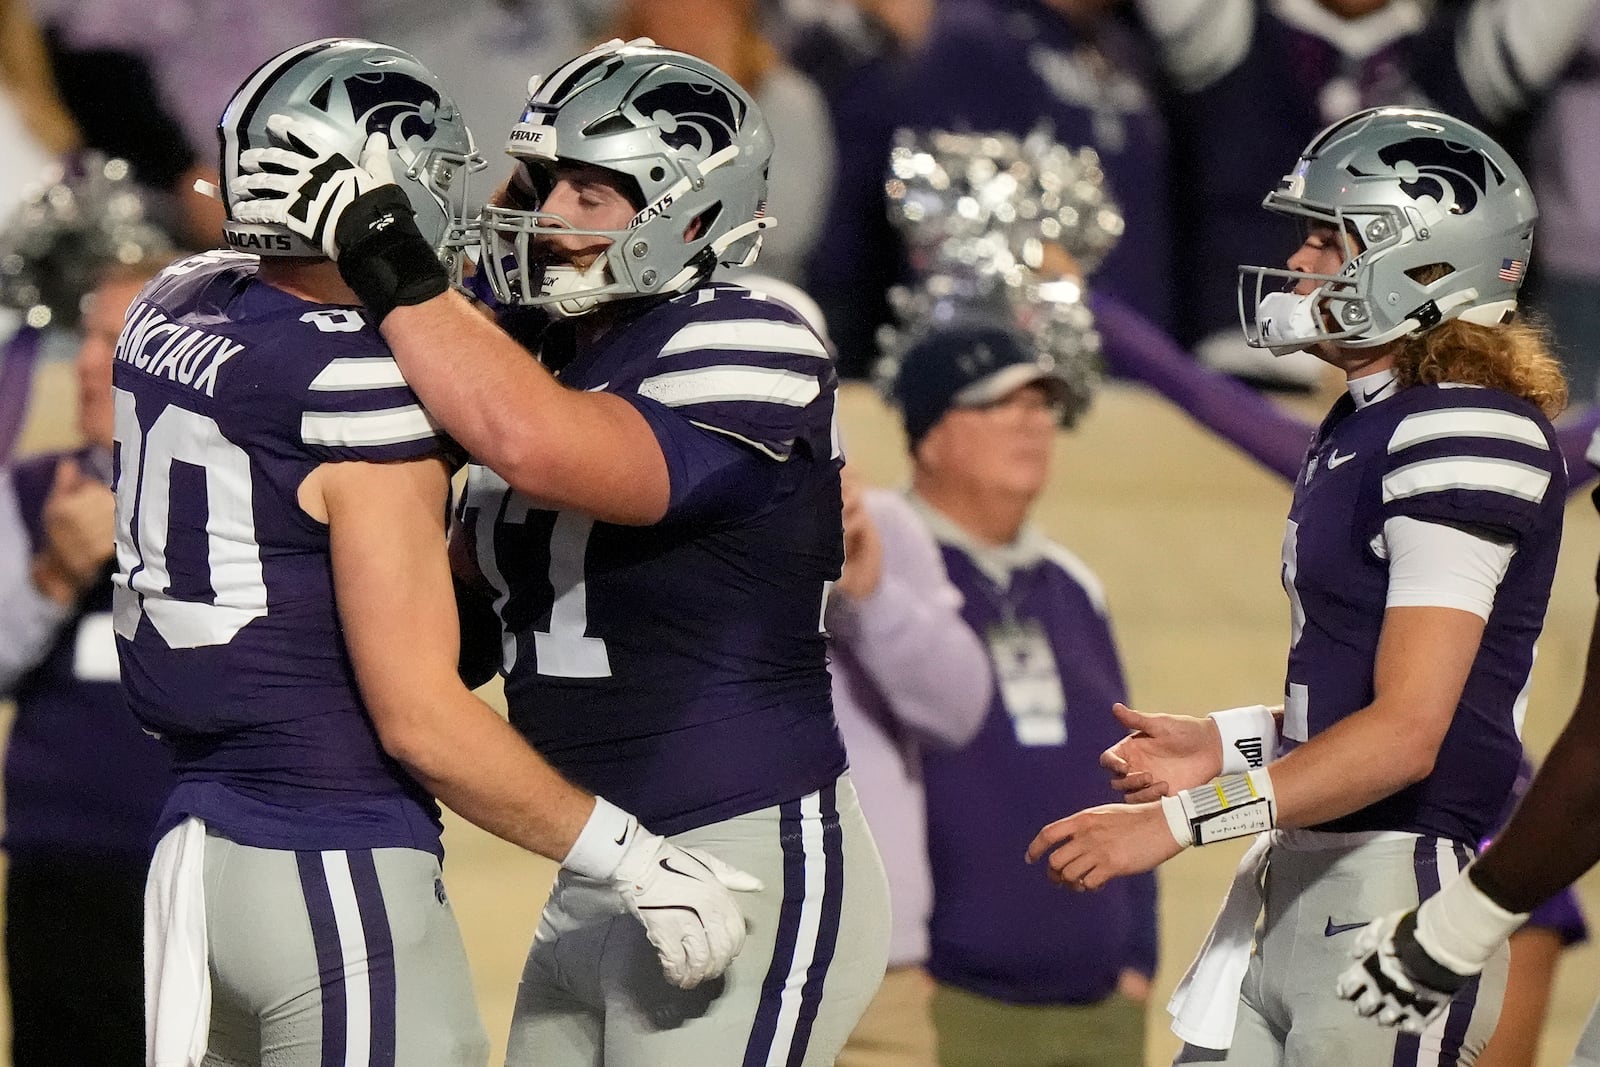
{"points": [[80, 776], [1000, 928]]}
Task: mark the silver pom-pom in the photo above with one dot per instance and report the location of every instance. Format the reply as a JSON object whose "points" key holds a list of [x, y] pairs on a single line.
{"points": [[79, 219], [1004, 228]]}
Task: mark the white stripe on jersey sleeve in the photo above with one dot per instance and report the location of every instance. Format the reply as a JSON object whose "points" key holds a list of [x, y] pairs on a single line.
{"points": [[1456, 472], [749, 335], [1466, 422], [386, 427], [710, 385], [370, 372]]}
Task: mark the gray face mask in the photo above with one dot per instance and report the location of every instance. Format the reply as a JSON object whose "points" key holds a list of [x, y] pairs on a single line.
{"points": [[1285, 318]]}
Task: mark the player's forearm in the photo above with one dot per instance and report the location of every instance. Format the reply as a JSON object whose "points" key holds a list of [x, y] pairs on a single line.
{"points": [[1339, 771], [1511, 51], [1546, 846], [476, 764], [589, 452]]}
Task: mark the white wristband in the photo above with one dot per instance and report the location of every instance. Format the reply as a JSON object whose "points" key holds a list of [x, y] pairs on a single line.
{"points": [[604, 839], [1249, 738], [1460, 927], [1235, 805]]}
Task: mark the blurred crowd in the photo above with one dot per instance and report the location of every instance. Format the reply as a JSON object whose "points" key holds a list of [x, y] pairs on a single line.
{"points": [[1191, 107]]}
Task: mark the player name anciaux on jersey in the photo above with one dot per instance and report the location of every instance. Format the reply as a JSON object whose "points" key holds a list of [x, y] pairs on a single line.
{"points": [[167, 350]]}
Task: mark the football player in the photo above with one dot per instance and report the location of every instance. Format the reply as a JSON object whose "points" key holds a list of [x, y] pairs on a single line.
{"points": [[286, 622], [1412, 962], [1418, 557], [654, 515]]}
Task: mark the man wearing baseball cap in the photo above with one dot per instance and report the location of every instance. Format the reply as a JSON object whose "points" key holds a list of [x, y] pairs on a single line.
{"points": [[1025, 975]]}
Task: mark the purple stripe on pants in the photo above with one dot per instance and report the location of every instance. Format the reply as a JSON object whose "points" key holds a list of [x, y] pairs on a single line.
{"points": [[828, 927], [1465, 1002], [330, 958], [380, 957], [765, 1028]]}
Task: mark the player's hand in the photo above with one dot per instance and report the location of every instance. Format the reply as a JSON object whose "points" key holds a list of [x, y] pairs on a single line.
{"points": [[683, 898], [1394, 979], [1162, 754], [1087, 850], [310, 184], [863, 550]]}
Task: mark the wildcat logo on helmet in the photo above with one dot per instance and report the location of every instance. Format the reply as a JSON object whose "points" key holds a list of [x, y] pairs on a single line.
{"points": [[1455, 176], [393, 103], [699, 120]]}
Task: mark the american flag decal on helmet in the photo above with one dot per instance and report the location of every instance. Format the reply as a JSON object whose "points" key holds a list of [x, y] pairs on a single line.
{"points": [[1511, 270]]}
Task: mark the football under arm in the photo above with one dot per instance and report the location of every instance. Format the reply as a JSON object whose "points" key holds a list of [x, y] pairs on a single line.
{"points": [[582, 451], [1424, 657], [397, 607]]}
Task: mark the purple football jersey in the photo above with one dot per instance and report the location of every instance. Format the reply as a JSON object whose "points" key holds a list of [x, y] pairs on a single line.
{"points": [[229, 392], [679, 669], [1461, 455]]}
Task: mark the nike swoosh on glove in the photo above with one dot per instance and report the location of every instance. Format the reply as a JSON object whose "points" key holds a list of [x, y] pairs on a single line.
{"points": [[310, 184], [1395, 979], [683, 898]]}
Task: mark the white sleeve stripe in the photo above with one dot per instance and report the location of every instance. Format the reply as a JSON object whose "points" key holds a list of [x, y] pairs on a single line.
{"points": [[341, 375], [386, 427], [767, 450], [1467, 422], [1485, 475], [709, 385], [750, 335]]}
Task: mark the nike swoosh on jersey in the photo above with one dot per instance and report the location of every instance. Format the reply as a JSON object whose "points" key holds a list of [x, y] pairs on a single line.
{"points": [[1339, 928], [1367, 396], [1335, 460]]}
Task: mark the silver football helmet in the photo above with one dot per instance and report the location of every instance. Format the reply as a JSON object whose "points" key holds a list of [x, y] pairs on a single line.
{"points": [[1440, 220], [351, 88], [692, 145]]}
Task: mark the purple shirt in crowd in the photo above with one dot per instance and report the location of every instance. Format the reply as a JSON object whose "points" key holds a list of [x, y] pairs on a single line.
{"points": [[1006, 66], [80, 776], [679, 669], [909, 676], [1000, 927]]}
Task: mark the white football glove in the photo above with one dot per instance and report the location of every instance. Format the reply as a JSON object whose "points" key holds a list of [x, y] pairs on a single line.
{"points": [[1394, 979], [682, 897], [311, 183]]}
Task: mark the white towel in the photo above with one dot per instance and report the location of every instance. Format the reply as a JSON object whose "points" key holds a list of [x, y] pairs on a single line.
{"points": [[1205, 1005], [177, 974]]}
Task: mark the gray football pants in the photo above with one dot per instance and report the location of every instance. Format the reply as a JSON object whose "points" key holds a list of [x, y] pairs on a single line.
{"points": [[1318, 893], [337, 958], [592, 992]]}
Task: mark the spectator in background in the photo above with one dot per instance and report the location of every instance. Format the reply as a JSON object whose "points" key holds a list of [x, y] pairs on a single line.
{"points": [[909, 676], [1002, 65], [1026, 976], [1564, 166], [33, 121], [83, 784], [146, 80], [1257, 79], [837, 43], [726, 33]]}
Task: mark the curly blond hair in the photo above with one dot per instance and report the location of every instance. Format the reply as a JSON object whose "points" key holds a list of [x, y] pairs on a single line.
{"points": [[1514, 358]]}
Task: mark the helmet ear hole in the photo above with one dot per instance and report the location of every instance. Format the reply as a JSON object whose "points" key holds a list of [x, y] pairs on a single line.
{"points": [[702, 223], [1430, 273]]}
